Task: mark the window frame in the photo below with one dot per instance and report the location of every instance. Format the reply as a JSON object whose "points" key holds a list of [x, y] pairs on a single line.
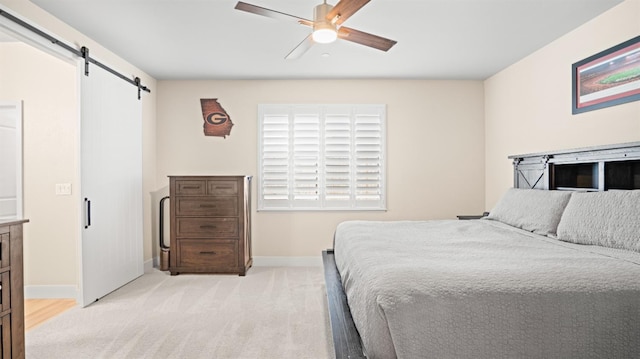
{"points": [[357, 115]]}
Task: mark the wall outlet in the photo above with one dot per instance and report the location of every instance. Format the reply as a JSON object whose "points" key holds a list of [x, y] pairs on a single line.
{"points": [[63, 189]]}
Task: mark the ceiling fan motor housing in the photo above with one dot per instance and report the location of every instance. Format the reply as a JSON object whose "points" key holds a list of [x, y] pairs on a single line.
{"points": [[324, 31]]}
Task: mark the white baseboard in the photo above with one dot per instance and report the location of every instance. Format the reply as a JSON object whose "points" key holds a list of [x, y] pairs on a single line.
{"points": [[66, 291], [150, 264], [273, 261], [50, 291], [261, 261]]}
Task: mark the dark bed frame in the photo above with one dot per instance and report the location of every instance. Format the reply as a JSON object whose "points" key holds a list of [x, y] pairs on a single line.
{"points": [[346, 339], [598, 168]]}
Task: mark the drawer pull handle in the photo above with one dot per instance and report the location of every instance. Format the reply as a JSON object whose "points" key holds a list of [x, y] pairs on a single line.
{"points": [[207, 206], [190, 187], [210, 253], [208, 227]]}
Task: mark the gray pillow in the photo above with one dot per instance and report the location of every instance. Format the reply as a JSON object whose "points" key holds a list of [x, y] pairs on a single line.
{"points": [[608, 219], [533, 210]]}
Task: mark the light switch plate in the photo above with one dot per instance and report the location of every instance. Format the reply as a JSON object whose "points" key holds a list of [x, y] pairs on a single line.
{"points": [[63, 189]]}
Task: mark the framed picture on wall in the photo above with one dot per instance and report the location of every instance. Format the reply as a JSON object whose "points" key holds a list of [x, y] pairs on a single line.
{"points": [[608, 78]]}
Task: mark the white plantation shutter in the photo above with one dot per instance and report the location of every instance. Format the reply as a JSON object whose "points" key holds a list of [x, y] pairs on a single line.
{"points": [[338, 188], [275, 158], [306, 159], [368, 159], [321, 157]]}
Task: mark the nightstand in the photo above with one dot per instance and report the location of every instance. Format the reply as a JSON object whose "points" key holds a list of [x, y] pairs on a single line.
{"points": [[463, 217]]}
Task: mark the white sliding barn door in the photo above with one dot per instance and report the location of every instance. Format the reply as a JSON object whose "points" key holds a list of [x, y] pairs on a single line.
{"points": [[111, 178]]}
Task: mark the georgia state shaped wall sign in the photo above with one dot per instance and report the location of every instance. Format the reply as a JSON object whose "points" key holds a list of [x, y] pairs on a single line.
{"points": [[216, 120]]}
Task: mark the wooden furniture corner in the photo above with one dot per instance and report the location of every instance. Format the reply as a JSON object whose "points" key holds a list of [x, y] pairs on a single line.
{"points": [[11, 290]]}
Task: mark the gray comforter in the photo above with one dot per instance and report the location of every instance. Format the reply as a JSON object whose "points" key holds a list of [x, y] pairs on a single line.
{"points": [[482, 289]]}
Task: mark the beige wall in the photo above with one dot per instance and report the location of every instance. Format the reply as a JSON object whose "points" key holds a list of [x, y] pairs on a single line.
{"points": [[41, 273], [435, 148], [47, 88], [528, 105]]}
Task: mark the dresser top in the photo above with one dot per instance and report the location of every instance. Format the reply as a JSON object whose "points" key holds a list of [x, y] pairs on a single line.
{"points": [[11, 222]]}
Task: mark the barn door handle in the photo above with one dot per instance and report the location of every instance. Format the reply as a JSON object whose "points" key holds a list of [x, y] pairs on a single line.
{"points": [[87, 213]]}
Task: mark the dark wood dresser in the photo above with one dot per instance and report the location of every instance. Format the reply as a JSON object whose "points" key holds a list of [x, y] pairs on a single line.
{"points": [[210, 224], [11, 290]]}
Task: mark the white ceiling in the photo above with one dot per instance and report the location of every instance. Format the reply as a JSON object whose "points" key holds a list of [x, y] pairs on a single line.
{"points": [[437, 39]]}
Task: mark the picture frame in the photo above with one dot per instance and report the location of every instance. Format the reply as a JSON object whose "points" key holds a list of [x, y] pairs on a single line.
{"points": [[608, 78]]}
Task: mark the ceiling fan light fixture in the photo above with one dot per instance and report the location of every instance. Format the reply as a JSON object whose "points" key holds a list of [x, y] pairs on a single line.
{"points": [[324, 35]]}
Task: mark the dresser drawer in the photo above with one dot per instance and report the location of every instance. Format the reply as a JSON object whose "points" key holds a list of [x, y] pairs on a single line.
{"points": [[191, 187], [203, 253], [206, 206], [5, 340], [223, 187], [5, 258], [207, 227], [5, 291]]}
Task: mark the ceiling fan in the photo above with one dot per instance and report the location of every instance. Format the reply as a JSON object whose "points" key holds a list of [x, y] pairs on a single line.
{"points": [[326, 24]]}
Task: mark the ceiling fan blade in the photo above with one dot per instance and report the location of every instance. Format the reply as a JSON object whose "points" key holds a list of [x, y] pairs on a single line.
{"points": [[344, 9], [365, 39], [302, 47], [254, 9]]}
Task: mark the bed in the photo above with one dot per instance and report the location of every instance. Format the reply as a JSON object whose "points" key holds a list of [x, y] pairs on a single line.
{"points": [[547, 274]]}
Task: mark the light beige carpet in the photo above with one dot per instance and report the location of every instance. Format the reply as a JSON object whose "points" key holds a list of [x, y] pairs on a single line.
{"points": [[273, 312]]}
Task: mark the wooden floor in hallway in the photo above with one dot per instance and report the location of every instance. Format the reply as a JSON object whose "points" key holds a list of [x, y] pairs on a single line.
{"points": [[38, 311]]}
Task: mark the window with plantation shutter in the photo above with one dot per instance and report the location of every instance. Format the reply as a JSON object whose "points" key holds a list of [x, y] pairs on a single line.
{"points": [[321, 157]]}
